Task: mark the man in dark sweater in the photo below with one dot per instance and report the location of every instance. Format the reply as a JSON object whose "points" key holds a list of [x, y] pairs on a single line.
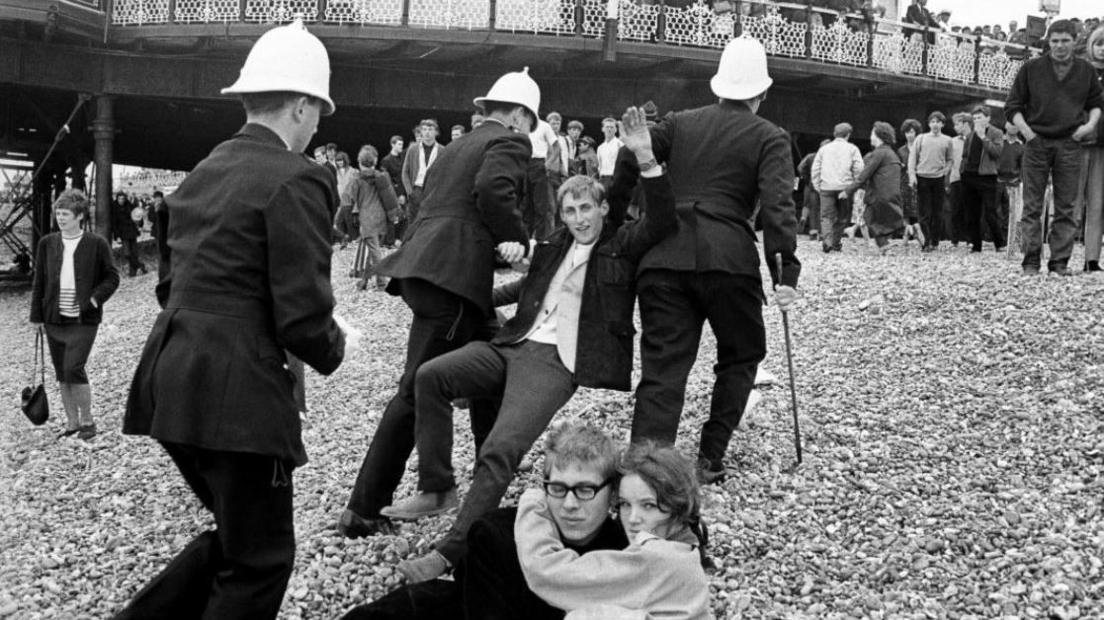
{"points": [[392, 164], [1056, 103]]}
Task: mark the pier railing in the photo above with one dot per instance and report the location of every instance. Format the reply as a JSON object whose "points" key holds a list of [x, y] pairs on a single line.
{"points": [[793, 30]]}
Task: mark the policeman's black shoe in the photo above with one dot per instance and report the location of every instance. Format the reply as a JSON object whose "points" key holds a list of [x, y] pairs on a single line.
{"points": [[709, 472], [1092, 265], [352, 525]]}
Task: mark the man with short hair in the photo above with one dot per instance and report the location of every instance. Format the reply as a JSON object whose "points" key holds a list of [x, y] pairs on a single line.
{"points": [[580, 466], [345, 222], [476, 120], [1056, 102], [444, 272], [954, 214], [710, 270], [607, 152], [539, 218], [930, 162], [249, 239], [574, 134], [392, 164], [456, 132], [573, 327], [835, 168], [981, 153], [420, 157], [558, 162]]}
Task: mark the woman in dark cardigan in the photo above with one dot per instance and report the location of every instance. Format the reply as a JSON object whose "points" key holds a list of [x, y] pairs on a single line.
{"points": [[881, 176], [74, 275]]}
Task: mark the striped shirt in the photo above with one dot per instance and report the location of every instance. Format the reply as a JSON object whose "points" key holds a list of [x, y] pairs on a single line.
{"points": [[67, 295]]}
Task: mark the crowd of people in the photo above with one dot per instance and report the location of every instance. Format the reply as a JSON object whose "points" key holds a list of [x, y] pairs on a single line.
{"points": [[992, 34], [985, 182], [646, 217]]}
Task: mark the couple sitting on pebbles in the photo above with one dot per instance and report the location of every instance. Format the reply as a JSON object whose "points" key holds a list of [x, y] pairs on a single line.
{"points": [[608, 536]]}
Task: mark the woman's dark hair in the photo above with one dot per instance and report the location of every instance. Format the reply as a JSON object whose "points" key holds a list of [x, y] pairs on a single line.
{"points": [[74, 201], [669, 474], [913, 124], [884, 131]]}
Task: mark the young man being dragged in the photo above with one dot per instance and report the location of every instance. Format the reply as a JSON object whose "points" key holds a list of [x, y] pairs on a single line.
{"points": [[573, 327]]}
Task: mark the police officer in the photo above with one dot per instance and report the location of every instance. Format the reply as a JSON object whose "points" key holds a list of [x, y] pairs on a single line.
{"points": [[445, 273], [248, 278]]}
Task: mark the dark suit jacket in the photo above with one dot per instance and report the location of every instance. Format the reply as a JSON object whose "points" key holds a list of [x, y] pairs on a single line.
{"points": [[722, 158], [94, 271], [604, 352], [249, 241], [991, 148], [470, 206], [122, 227]]}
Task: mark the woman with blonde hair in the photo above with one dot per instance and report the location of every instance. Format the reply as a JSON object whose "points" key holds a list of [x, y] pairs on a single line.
{"points": [[659, 574]]}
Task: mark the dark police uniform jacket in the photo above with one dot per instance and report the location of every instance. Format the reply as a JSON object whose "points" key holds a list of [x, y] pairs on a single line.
{"points": [[604, 353], [717, 183], [470, 206], [249, 241]]}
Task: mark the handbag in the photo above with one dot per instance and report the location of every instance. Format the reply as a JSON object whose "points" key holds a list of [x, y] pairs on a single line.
{"points": [[35, 406]]}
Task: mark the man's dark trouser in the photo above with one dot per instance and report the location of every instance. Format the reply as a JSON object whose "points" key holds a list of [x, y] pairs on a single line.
{"points": [[442, 322], [538, 208], [555, 180], [929, 200], [673, 307], [345, 224], [980, 201], [130, 248], [240, 569], [532, 383], [1060, 159], [955, 227], [413, 203], [494, 587]]}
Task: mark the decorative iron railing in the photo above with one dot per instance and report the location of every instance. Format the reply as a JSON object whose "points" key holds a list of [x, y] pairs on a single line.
{"points": [[785, 29]]}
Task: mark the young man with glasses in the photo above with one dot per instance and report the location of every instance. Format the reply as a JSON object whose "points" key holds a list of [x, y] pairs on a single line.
{"points": [[580, 469], [573, 327]]}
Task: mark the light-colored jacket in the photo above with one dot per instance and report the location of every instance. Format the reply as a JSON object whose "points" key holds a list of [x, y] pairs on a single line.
{"points": [[836, 166], [661, 578]]}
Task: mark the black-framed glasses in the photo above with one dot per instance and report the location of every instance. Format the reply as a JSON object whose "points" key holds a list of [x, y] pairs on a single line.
{"points": [[582, 492]]}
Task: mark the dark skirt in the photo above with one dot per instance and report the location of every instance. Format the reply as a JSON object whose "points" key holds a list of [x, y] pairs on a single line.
{"points": [[70, 343], [883, 218]]}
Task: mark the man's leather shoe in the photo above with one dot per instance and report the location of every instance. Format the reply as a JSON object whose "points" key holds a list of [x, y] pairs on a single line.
{"points": [[422, 505], [352, 525], [430, 566]]}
